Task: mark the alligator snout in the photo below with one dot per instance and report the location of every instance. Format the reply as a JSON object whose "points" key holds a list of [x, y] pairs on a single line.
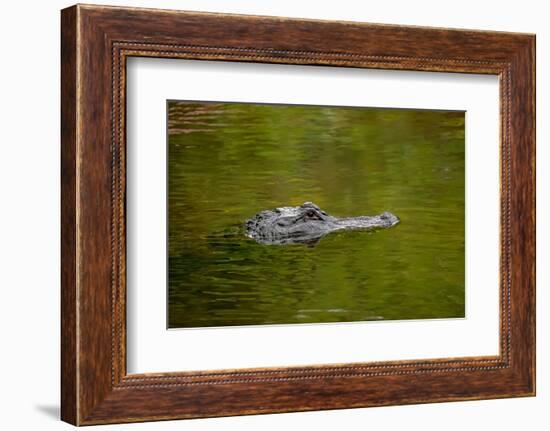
{"points": [[389, 218]]}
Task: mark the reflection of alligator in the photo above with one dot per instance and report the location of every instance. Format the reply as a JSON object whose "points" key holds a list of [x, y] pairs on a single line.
{"points": [[308, 224]]}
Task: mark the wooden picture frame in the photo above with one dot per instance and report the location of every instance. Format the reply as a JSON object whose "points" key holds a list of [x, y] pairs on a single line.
{"points": [[96, 41]]}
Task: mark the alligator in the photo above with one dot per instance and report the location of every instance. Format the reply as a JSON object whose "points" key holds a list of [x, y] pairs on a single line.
{"points": [[307, 224]]}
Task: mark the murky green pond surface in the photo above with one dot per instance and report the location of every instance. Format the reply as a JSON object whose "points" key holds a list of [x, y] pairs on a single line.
{"points": [[227, 162]]}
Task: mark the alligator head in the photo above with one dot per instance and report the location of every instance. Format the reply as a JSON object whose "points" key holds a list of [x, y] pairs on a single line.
{"points": [[307, 224]]}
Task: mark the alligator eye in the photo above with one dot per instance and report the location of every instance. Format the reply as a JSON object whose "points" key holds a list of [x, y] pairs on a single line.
{"points": [[311, 214]]}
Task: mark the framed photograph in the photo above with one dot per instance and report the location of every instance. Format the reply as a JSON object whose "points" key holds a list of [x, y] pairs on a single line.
{"points": [[263, 214]]}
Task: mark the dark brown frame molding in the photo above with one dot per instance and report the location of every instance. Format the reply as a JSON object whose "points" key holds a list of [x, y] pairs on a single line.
{"points": [[95, 43]]}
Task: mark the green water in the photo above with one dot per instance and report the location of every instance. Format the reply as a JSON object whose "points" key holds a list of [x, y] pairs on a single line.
{"points": [[227, 162]]}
